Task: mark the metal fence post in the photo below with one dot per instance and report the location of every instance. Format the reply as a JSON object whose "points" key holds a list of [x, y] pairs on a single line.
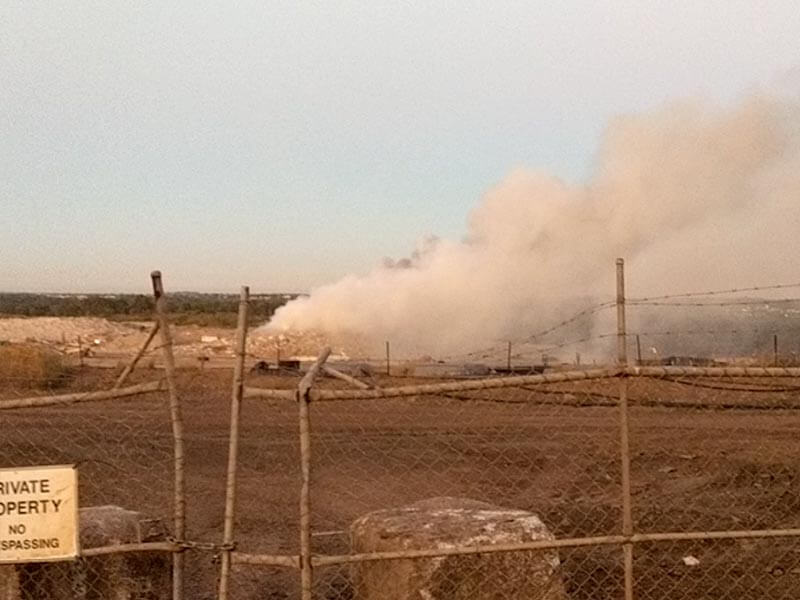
{"points": [[177, 431], [775, 361], [622, 342], [622, 361], [233, 443], [304, 401]]}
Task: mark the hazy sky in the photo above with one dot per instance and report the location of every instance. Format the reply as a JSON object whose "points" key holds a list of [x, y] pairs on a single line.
{"points": [[284, 145]]}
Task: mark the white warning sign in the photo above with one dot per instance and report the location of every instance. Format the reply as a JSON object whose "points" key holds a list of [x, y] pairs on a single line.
{"points": [[38, 514]]}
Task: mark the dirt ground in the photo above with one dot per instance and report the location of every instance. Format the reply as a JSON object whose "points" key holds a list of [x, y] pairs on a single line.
{"points": [[553, 450]]}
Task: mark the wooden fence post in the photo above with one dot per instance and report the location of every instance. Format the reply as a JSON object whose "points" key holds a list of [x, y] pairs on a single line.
{"points": [[177, 431], [233, 443], [304, 401]]}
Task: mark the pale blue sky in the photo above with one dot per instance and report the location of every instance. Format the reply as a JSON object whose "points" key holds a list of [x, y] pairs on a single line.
{"points": [[284, 145]]}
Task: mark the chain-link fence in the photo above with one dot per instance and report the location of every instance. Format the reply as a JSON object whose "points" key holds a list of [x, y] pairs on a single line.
{"points": [[637, 477], [710, 452], [711, 487], [125, 439], [657, 477], [122, 446]]}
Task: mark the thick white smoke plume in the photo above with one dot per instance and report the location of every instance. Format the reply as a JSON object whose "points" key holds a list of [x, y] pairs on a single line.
{"points": [[692, 197]]}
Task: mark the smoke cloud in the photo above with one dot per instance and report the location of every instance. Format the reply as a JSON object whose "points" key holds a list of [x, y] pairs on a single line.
{"points": [[693, 197]]}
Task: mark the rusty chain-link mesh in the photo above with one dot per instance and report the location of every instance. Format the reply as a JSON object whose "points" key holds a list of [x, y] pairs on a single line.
{"points": [[716, 454], [268, 475], [123, 450], [707, 453], [535, 448]]}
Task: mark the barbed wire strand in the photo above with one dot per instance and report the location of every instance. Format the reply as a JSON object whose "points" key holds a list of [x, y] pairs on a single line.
{"points": [[501, 346], [717, 304], [778, 286], [586, 312]]}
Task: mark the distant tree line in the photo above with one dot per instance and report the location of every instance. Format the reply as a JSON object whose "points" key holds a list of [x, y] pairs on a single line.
{"points": [[185, 307]]}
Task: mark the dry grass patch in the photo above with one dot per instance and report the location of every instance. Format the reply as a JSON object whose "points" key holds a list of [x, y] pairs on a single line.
{"points": [[31, 365]]}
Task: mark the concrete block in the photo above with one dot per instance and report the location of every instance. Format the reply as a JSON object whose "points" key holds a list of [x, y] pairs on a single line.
{"points": [[444, 523]]}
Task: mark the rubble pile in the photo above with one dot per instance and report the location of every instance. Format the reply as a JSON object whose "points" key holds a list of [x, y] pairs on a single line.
{"points": [[97, 337]]}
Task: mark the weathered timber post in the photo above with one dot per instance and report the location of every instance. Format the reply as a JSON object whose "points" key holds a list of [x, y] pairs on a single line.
{"points": [[304, 400], [233, 444], [132, 365], [177, 431]]}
